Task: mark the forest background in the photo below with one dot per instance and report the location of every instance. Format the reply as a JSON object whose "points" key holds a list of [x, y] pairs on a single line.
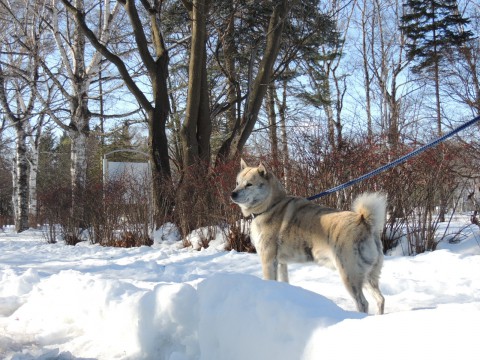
{"points": [[319, 91]]}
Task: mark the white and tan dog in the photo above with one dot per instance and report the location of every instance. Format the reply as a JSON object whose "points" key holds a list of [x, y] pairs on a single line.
{"points": [[288, 229]]}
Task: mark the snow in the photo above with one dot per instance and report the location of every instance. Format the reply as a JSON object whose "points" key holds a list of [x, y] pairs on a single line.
{"points": [[175, 303]]}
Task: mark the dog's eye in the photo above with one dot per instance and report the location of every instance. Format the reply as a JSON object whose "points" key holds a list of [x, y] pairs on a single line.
{"points": [[248, 185]]}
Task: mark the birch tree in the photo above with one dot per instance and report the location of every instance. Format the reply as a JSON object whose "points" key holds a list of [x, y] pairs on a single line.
{"points": [[387, 64], [36, 132], [327, 79], [19, 76], [79, 71], [150, 48]]}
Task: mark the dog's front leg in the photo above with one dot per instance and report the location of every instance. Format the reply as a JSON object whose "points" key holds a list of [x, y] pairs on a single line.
{"points": [[269, 263], [282, 272]]}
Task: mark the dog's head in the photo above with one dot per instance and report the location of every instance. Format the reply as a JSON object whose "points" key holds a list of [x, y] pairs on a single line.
{"points": [[253, 189]]}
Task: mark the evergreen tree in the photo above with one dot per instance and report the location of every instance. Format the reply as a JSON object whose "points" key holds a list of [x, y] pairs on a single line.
{"points": [[434, 28], [123, 139], [53, 162]]}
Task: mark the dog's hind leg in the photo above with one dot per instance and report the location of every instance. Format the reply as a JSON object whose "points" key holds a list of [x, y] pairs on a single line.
{"points": [[282, 272], [354, 285], [373, 289], [372, 285]]}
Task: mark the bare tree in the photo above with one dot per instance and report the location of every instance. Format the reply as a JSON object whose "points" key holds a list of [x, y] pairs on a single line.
{"points": [[327, 77], [79, 71], [35, 132], [462, 76], [19, 76], [387, 63], [156, 65], [366, 25], [258, 88]]}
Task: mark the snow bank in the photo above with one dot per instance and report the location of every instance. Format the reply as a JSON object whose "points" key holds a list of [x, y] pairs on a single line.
{"points": [[229, 317], [445, 332], [169, 303], [243, 317]]}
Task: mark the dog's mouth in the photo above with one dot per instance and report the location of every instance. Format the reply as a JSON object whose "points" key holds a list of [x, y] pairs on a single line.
{"points": [[240, 198], [244, 200]]}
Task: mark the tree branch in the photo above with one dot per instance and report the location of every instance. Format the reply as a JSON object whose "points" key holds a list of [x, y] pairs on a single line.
{"points": [[114, 59]]}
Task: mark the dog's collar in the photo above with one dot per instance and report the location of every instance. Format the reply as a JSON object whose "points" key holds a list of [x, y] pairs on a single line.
{"points": [[263, 212], [255, 215]]}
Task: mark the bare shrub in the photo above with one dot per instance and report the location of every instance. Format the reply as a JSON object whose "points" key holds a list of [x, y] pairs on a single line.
{"points": [[117, 213], [120, 213], [55, 209], [238, 239], [128, 239], [201, 238], [203, 202], [104, 213]]}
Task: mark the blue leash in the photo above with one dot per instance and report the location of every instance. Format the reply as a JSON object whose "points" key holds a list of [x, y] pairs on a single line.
{"points": [[396, 162]]}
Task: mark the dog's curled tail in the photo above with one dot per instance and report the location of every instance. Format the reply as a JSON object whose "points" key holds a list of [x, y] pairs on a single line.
{"points": [[372, 206]]}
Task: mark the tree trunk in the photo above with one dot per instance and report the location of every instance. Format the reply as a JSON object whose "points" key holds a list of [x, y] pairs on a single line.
{"points": [[197, 127], [282, 108], [272, 125], [366, 70], [32, 204], [20, 180], [163, 198], [233, 146], [438, 107], [327, 107], [393, 130], [229, 51], [78, 172]]}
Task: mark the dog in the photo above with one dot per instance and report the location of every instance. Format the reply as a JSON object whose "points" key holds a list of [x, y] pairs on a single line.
{"points": [[287, 229]]}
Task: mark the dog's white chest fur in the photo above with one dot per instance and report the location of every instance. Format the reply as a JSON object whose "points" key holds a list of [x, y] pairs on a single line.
{"points": [[255, 235]]}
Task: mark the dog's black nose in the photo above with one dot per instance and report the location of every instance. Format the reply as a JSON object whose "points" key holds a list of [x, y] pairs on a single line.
{"points": [[234, 195]]}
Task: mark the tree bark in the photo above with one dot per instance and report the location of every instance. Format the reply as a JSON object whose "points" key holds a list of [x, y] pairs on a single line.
{"points": [[196, 129], [19, 119], [272, 125], [20, 179], [78, 171], [32, 203], [282, 109], [366, 66], [229, 50]]}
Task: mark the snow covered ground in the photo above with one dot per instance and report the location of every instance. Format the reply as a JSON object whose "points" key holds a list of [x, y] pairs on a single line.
{"points": [[172, 303]]}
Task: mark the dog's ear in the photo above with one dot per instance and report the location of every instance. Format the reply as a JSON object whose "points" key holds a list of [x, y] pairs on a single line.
{"points": [[262, 171], [243, 164]]}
